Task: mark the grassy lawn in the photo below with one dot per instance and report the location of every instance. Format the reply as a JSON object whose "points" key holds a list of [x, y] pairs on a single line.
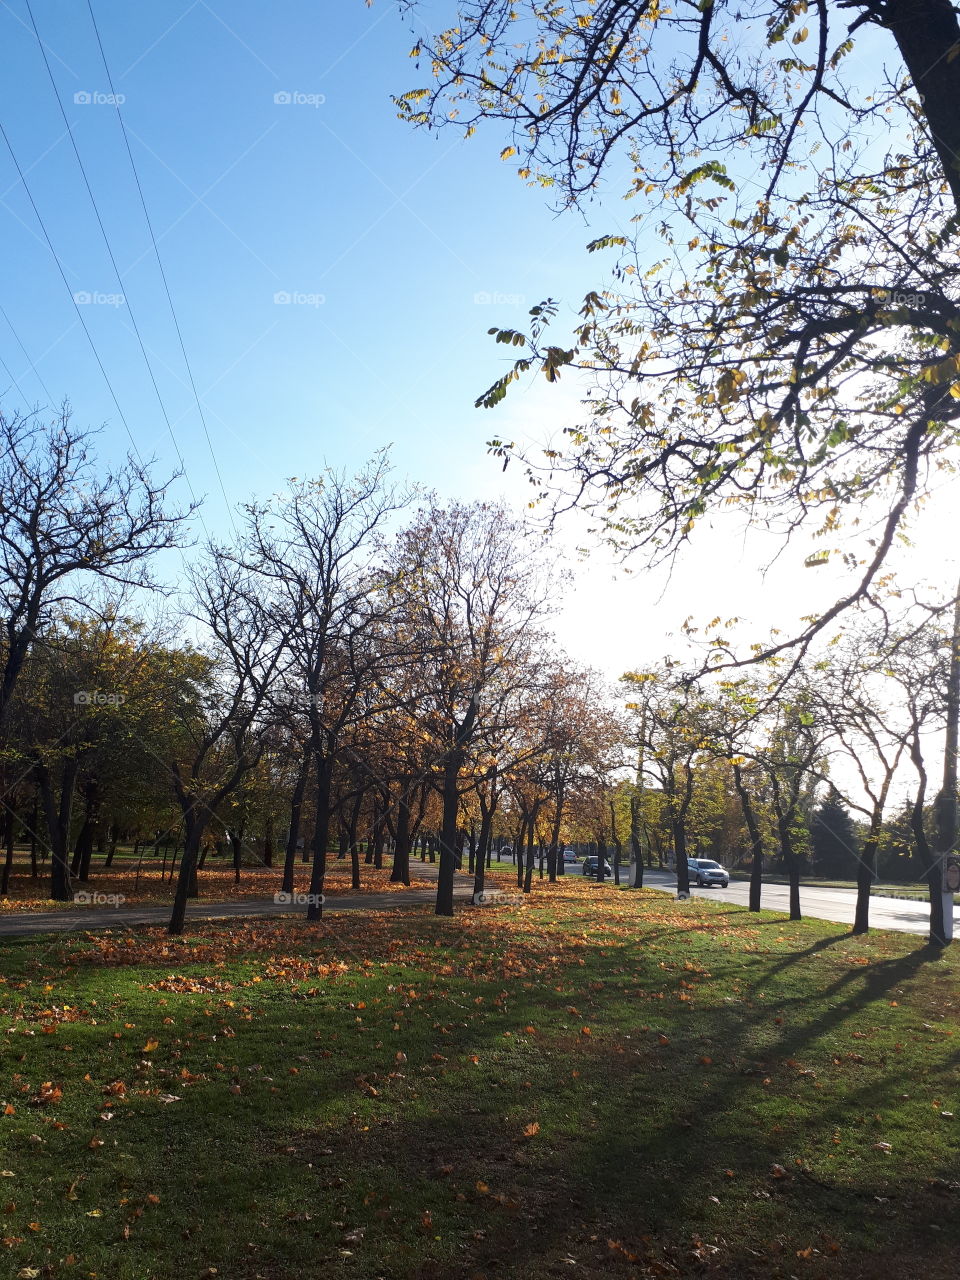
{"points": [[591, 1084]]}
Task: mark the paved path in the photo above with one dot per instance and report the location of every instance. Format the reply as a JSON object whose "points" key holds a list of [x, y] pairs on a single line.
{"points": [[25, 924], [823, 904]]}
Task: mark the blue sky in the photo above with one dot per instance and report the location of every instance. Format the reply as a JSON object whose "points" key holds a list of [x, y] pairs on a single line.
{"points": [[382, 236], [397, 231]]}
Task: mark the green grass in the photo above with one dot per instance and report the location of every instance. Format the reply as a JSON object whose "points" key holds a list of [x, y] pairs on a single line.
{"points": [[644, 1086]]}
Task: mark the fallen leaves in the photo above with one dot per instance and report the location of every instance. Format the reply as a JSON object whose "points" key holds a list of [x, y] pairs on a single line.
{"points": [[47, 1095]]}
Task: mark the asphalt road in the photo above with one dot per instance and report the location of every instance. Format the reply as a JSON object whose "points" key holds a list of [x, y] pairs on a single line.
{"points": [[823, 904]]}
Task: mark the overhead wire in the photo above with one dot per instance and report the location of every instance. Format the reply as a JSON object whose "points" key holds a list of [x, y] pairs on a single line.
{"points": [[66, 283], [115, 98], [110, 254], [29, 360]]}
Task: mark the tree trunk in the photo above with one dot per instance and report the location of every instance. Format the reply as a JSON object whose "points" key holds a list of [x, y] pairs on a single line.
{"points": [[83, 850], [945, 805], [321, 834], [268, 840], [293, 831], [188, 869], [756, 839], [531, 842], [927, 34], [8, 824], [400, 873], [58, 825], [866, 871], [448, 832], [792, 863], [236, 849], [617, 846], [636, 844], [353, 831]]}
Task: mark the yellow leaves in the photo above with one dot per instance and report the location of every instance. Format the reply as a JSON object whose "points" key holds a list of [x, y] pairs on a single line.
{"points": [[150, 1046], [531, 1130], [507, 152], [482, 1188]]}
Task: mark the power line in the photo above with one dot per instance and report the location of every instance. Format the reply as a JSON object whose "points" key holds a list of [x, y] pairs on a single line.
{"points": [[66, 283], [156, 250], [13, 381], [110, 253], [36, 372]]}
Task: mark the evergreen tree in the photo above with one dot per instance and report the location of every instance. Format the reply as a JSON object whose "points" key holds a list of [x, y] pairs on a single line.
{"points": [[833, 837]]}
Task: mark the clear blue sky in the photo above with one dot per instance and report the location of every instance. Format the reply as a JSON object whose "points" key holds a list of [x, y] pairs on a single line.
{"points": [[397, 230]]}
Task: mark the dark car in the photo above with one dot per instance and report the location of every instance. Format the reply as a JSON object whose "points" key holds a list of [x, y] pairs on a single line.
{"points": [[705, 871], [589, 868]]}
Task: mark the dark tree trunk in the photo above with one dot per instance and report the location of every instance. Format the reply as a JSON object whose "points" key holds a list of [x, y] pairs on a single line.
{"points": [[945, 804], [531, 844], [268, 840], [8, 824], [792, 863], [58, 825], [636, 845], [321, 834], [479, 863], [617, 846], [679, 828], [927, 34], [400, 872], [756, 839], [448, 832], [112, 846], [34, 823], [353, 832], [188, 870], [519, 844], [236, 849], [83, 849], [866, 872], [293, 831]]}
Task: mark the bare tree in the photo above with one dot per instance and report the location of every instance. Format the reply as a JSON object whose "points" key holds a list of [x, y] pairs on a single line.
{"points": [[473, 591]]}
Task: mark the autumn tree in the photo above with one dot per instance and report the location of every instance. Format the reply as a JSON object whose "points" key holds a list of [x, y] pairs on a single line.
{"points": [[473, 592], [315, 555], [223, 723], [794, 353]]}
